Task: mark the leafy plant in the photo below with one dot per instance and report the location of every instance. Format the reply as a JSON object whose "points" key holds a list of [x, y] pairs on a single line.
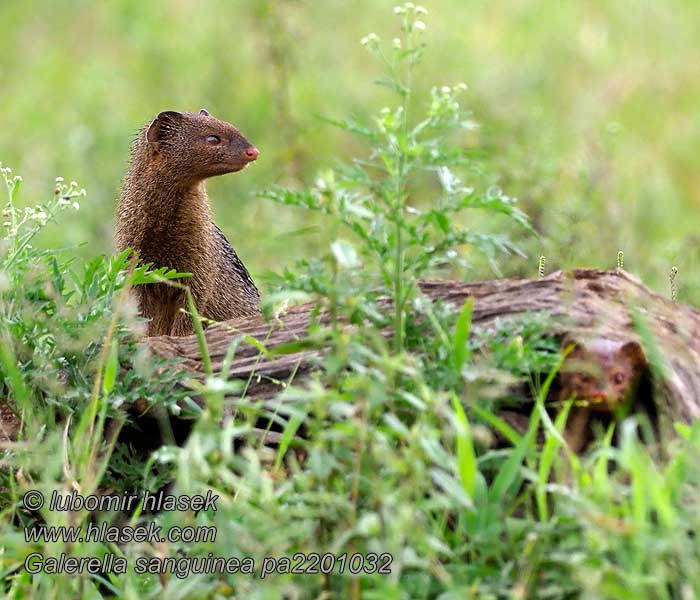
{"points": [[54, 309], [66, 329], [397, 239]]}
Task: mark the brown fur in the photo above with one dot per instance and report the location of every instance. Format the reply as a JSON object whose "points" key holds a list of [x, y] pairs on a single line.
{"points": [[165, 216], [602, 377], [10, 423]]}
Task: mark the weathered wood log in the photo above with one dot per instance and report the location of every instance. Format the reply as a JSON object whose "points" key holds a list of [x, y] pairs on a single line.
{"points": [[583, 303]]}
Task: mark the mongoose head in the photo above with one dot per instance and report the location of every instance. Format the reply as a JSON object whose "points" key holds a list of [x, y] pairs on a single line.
{"points": [[603, 372], [197, 145]]}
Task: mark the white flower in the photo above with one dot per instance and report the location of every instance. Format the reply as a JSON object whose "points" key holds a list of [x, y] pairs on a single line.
{"points": [[396, 43], [76, 206], [461, 87], [446, 89], [419, 25], [421, 10], [410, 5], [59, 179], [370, 37], [398, 10]]}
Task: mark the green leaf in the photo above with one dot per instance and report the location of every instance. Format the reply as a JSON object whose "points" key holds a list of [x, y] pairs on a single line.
{"points": [[498, 424], [351, 126], [451, 487], [292, 347], [499, 203], [395, 424], [59, 281], [144, 274], [15, 190], [466, 457], [682, 430], [552, 442], [249, 339], [393, 85], [442, 220], [460, 339], [510, 469], [288, 434], [111, 368]]}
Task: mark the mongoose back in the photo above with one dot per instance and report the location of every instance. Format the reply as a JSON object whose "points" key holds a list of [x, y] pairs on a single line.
{"points": [[165, 216]]}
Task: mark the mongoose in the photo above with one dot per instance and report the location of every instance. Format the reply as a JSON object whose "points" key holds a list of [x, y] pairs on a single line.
{"points": [[165, 216], [602, 377], [10, 423]]}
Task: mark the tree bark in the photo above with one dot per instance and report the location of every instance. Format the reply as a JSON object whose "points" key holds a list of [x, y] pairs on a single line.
{"points": [[582, 304]]}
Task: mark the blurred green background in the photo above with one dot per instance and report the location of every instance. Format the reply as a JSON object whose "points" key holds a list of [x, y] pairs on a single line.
{"points": [[588, 112]]}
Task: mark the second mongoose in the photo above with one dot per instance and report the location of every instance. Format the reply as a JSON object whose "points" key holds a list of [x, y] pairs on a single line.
{"points": [[164, 215], [602, 377]]}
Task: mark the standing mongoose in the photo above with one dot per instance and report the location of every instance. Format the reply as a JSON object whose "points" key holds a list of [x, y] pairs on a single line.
{"points": [[164, 215]]}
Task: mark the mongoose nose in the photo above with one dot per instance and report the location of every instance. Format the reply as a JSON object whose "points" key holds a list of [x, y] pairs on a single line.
{"points": [[252, 153]]}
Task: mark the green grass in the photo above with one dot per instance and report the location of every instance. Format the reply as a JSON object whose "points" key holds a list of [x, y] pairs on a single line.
{"points": [[395, 446]]}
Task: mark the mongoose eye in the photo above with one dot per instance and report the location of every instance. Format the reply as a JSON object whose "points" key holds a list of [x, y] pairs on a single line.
{"points": [[618, 378], [213, 140]]}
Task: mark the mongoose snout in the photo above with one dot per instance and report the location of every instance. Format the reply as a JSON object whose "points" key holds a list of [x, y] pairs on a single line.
{"points": [[165, 216], [252, 153]]}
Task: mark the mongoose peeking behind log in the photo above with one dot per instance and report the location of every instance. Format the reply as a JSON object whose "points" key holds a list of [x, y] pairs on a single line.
{"points": [[602, 376], [164, 215]]}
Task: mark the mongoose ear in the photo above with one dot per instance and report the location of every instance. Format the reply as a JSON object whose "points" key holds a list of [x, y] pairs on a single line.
{"points": [[577, 348], [634, 352], [163, 126], [204, 112]]}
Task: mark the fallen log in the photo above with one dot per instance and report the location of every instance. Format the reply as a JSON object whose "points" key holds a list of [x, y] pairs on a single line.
{"points": [[582, 304]]}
